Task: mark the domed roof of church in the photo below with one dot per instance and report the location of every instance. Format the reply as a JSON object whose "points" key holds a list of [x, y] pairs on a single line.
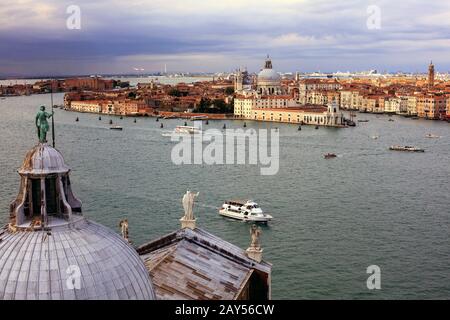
{"points": [[268, 74], [49, 265], [50, 251], [43, 159]]}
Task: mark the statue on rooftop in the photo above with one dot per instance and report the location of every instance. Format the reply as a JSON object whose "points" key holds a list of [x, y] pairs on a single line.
{"points": [[42, 124], [188, 204], [255, 232], [123, 224]]}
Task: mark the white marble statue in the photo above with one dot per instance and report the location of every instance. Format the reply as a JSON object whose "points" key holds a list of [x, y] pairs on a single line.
{"points": [[188, 204], [255, 232]]}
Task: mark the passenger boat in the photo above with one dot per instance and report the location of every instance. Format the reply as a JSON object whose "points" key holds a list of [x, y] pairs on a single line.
{"points": [[187, 130], [193, 118], [245, 210], [116, 128], [430, 135], [329, 155], [406, 148]]}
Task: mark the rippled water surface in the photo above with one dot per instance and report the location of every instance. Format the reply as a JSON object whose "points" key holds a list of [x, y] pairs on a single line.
{"points": [[333, 218]]}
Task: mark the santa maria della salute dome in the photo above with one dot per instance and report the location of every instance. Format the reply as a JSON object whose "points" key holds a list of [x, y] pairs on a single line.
{"points": [[268, 81], [50, 251]]}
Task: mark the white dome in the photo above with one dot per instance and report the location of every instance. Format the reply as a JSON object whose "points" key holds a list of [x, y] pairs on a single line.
{"points": [[35, 265], [268, 75], [43, 159]]}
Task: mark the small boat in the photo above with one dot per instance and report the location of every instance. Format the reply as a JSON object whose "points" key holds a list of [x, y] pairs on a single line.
{"points": [[329, 155], [193, 118], [224, 126], [157, 119], [207, 122], [414, 118], [299, 128], [317, 127], [406, 148], [116, 128], [162, 125], [363, 120], [185, 124], [430, 135], [121, 117], [350, 123], [391, 119], [245, 125], [170, 117], [187, 130], [375, 137], [3, 98], [77, 119], [99, 118], [134, 120], [110, 122], [245, 210]]}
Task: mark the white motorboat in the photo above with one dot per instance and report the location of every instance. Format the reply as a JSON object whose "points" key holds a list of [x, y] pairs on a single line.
{"points": [[187, 130], [430, 135], [245, 210], [406, 148]]}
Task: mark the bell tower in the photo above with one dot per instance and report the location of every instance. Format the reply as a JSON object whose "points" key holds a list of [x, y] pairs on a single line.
{"points": [[431, 75]]}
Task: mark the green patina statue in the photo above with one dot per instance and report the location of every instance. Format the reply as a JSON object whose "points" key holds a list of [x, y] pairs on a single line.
{"points": [[42, 124]]}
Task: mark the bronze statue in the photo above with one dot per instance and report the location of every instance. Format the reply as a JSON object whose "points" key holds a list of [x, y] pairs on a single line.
{"points": [[42, 124]]}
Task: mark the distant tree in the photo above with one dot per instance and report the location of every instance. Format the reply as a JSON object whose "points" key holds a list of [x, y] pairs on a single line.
{"points": [[175, 92], [229, 91], [132, 95]]}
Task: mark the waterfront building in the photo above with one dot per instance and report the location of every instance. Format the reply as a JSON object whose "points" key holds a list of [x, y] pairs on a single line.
{"points": [[431, 106], [447, 114], [411, 108], [88, 83], [306, 86], [392, 105], [243, 105], [50, 251], [308, 114]]}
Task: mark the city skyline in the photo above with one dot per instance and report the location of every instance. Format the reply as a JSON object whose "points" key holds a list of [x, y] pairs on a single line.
{"points": [[200, 36]]}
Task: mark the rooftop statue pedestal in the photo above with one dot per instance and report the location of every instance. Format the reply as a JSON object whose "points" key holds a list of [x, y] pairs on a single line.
{"points": [[255, 254], [188, 223]]}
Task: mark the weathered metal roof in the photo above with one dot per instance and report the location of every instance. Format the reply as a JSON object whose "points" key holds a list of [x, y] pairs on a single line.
{"points": [[35, 264], [194, 264], [43, 159]]}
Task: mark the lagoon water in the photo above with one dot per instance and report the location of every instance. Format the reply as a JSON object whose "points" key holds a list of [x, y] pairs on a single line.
{"points": [[333, 218]]}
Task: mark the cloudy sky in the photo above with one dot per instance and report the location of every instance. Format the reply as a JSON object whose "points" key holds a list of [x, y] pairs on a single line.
{"points": [[116, 36]]}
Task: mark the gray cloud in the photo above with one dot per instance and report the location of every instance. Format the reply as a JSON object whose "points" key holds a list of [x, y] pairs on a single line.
{"points": [[202, 35]]}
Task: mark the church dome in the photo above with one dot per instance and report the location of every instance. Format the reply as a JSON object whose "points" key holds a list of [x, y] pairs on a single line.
{"points": [[268, 75], [50, 251], [83, 261], [43, 159]]}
